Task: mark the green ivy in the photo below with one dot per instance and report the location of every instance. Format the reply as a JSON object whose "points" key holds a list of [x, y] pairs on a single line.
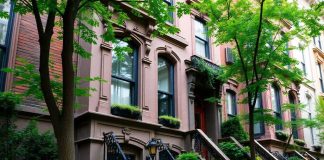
{"points": [[188, 156], [299, 142], [133, 109], [282, 135], [234, 128], [209, 72], [294, 158], [171, 119]]}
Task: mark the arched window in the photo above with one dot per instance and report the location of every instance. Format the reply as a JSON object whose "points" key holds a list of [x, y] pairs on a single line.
{"points": [[276, 104], [231, 103], [293, 116], [165, 87], [124, 76]]}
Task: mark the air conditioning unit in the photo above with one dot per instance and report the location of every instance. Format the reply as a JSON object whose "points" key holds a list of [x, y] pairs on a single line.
{"points": [[229, 58]]}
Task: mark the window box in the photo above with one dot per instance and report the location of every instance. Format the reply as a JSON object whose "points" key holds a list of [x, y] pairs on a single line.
{"points": [[169, 121], [127, 111], [299, 142], [281, 135], [317, 148]]}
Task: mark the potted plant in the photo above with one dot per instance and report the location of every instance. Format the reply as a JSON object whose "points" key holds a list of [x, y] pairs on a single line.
{"points": [[299, 142], [281, 135], [188, 156], [169, 121], [317, 148], [127, 111]]}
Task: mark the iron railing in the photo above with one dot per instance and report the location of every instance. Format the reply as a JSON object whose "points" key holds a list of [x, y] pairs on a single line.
{"points": [[309, 156], [263, 152], [279, 156], [205, 147], [112, 149]]}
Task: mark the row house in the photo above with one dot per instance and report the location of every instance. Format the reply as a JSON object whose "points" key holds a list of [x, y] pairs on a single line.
{"points": [[160, 78]]}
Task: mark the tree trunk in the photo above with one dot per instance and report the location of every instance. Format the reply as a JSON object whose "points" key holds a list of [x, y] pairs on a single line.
{"points": [[251, 132], [65, 141]]}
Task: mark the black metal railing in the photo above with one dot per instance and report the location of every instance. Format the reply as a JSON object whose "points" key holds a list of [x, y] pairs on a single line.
{"points": [[237, 143], [164, 147], [112, 149], [263, 152], [295, 154], [279, 156], [205, 147]]}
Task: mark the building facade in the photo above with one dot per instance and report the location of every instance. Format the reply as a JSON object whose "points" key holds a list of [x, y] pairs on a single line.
{"points": [[160, 79]]}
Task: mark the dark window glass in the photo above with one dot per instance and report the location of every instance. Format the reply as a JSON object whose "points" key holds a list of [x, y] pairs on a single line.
{"points": [[123, 81], [302, 63], [5, 35], [201, 39], [231, 103], [165, 87], [276, 104]]}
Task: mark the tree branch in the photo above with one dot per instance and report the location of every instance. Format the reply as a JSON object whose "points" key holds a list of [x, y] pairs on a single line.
{"points": [[38, 19]]}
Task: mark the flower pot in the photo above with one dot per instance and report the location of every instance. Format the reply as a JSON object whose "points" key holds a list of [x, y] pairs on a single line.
{"points": [[125, 113], [168, 123], [317, 148], [299, 142]]}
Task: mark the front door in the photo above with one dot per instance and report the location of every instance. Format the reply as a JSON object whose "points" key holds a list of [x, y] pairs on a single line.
{"points": [[200, 122]]}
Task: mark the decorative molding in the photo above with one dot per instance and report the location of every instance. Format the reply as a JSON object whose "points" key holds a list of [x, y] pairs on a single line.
{"points": [[127, 132]]}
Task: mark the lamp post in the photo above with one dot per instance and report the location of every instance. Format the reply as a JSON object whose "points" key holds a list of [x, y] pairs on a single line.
{"points": [[152, 146]]}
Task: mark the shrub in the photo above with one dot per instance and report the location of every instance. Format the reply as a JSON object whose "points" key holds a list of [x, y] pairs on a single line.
{"points": [[28, 144], [233, 151], [8, 102], [233, 127], [282, 135], [126, 111], [299, 142], [188, 156], [169, 121], [294, 158]]}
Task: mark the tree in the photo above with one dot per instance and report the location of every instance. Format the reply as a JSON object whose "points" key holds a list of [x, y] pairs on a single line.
{"points": [[75, 18], [259, 32]]}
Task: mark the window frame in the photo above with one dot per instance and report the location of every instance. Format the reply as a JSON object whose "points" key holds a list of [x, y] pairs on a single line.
{"points": [[320, 77], [6, 47], [171, 14], [262, 129], [171, 83], [303, 63], [206, 41], [133, 82], [277, 111], [234, 105], [293, 116]]}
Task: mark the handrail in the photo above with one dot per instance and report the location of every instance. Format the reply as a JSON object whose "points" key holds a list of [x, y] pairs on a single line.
{"points": [[201, 139], [299, 155], [112, 149], [264, 153], [279, 156], [310, 156], [164, 147], [237, 143]]}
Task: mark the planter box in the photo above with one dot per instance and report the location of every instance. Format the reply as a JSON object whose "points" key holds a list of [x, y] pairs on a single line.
{"points": [[125, 113], [167, 123], [299, 142]]}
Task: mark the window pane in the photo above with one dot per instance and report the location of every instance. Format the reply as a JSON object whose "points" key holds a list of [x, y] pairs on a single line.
{"points": [[123, 67], [274, 99], [120, 92], [4, 22], [201, 48], [200, 30], [164, 75], [165, 102], [257, 128], [230, 103]]}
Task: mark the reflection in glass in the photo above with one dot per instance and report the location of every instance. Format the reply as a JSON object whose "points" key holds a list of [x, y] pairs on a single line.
{"points": [[120, 92], [165, 87], [5, 7]]}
